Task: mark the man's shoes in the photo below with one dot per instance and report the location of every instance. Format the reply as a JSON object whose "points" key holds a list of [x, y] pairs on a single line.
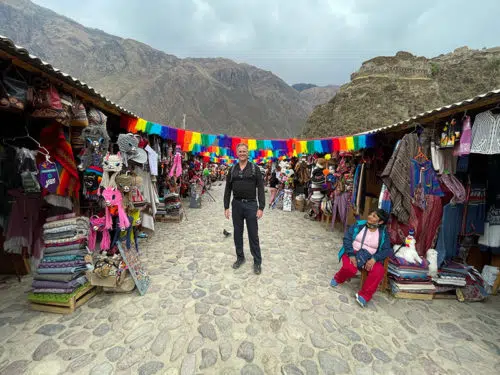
{"points": [[238, 263], [360, 300], [333, 283], [257, 269]]}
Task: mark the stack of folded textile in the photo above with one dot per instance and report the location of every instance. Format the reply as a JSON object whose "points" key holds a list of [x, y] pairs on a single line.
{"points": [[410, 277], [173, 204], [61, 270], [452, 274]]}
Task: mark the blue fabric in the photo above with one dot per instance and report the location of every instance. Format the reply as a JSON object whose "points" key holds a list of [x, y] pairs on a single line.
{"points": [[61, 270], [384, 248], [451, 224]]}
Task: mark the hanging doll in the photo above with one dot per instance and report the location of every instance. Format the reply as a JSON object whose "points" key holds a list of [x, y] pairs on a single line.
{"points": [[92, 178], [112, 164], [96, 140], [114, 202], [177, 164]]}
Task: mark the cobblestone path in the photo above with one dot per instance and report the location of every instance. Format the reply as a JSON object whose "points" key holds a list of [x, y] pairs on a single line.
{"points": [[202, 317]]}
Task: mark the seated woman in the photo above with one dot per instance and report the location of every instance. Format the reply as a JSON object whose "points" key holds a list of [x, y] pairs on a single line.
{"points": [[366, 245]]}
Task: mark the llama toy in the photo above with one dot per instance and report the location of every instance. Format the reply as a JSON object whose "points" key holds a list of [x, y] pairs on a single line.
{"points": [[408, 251], [111, 165], [97, 224], [113, 197], [432, 258]]}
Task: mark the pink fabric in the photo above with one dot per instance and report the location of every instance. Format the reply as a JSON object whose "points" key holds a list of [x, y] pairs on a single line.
{"points": [[463, 147], [24, 228], [372, 281], [371, 241], [99, 223], [177, 165], [113, 197]]}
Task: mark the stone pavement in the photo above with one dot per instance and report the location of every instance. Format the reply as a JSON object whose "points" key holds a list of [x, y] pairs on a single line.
{"points": [[202, 317]]}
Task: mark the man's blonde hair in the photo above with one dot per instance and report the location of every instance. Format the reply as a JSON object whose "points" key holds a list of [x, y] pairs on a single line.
{"points": [[241, 145]]}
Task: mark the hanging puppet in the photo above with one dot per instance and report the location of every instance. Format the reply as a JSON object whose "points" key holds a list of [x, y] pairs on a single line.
{"points": [[111, 165], [96, 141]]}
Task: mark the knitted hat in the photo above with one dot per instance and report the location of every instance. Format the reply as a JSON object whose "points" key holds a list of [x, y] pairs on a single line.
{"points": [[130, 150]]}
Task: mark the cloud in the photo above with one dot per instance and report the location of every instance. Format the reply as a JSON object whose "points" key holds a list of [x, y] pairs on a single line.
{"points": [[318, 41]]}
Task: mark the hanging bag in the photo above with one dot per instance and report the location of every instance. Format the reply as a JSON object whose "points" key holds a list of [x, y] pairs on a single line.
{"points": [[14, 88]]}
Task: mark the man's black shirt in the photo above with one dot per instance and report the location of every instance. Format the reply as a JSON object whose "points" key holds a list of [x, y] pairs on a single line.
{"points": [[244, 184]]}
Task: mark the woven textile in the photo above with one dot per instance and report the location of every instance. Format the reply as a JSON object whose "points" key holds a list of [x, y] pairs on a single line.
{"points": [[486, 134]]}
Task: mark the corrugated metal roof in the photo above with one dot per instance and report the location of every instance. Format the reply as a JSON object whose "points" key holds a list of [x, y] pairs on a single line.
{"points": [[435, 111], [23, 54]]}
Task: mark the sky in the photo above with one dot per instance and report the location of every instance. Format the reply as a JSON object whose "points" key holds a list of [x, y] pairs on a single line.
{"points": [[302, 41]]}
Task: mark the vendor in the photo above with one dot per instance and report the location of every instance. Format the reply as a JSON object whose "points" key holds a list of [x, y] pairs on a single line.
{"points": [[366, 245]]}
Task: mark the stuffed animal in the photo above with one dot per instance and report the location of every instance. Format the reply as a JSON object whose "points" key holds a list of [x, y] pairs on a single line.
{"points": [[408, 251], [111, 165], [97, 224], [432, 258], [113, 197], [96, 140]]}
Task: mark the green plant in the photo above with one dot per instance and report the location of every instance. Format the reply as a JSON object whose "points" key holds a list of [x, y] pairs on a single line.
{"points": [[434, 69]]}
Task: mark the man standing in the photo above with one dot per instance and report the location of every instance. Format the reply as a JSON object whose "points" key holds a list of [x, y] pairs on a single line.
{"points": [[243, 179]]}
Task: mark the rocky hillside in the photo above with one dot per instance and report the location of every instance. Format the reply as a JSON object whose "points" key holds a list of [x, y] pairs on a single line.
{"points": [[303, 86], [217, 95], [318, 94], [386, 90]]}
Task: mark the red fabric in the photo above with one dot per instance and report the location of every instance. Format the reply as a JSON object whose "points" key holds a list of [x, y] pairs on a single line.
{"points": [[425, 223], [335, 144], [372, 281], [53, 139]]}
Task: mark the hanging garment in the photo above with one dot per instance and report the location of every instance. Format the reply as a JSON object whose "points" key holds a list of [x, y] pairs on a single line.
{"points": [[426, 223], [396, 176], [447, 243], [423, 181], [340, 205], [52, 137], [455, 186], [153, 160], [486, 134], [475, 211], [384, 200], [150, 195], [463, 147], [23, 228], [490, 240]]}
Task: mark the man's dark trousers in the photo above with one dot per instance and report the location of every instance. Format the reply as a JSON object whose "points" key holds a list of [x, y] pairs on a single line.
{"points": [[243, 210]]}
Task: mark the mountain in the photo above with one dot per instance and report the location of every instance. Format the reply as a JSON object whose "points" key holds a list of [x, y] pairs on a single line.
{"points": [[388, 89], [317, 95], [217, 95], [303, 86]]}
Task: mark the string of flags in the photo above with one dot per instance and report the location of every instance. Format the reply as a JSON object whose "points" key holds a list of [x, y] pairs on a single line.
{"points": [[220, 148]]}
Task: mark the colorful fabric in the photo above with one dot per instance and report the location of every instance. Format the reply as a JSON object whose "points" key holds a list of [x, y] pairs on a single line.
{"points": [[61, 258], [58, 284], [61, 269], [73, 263], [55, 297], [396, 176], [53, 139]]}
